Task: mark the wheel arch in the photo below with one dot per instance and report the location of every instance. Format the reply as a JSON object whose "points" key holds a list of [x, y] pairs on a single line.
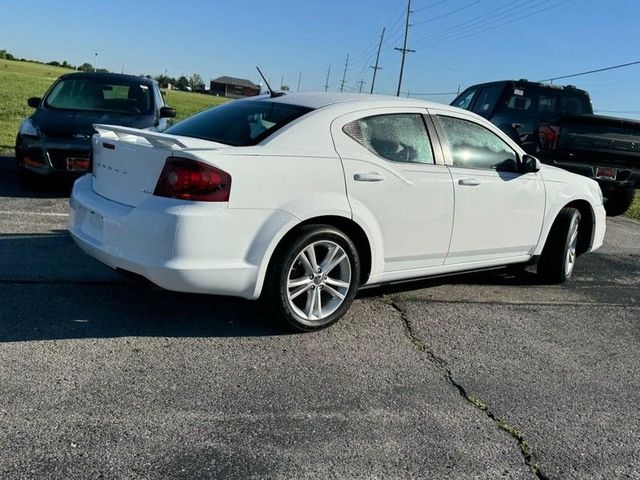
{"points": [[350, 227], [586, 229]]}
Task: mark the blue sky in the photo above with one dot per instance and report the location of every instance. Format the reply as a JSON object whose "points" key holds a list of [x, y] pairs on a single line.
{"points": [[457, 42]]}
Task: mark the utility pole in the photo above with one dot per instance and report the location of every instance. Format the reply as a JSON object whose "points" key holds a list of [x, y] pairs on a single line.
{"points": [[376, 67], [404, 49], [361, 83], [326, 84], [281, 82], [299, 79], [344, 74]]}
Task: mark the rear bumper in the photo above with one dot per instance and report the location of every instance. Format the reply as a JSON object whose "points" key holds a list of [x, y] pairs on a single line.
{"points": [[182, 246], [627, 177]]}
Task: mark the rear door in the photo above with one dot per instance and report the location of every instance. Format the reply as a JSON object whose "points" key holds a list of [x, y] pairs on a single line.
{"points": [[398, 182], [498, 211]]}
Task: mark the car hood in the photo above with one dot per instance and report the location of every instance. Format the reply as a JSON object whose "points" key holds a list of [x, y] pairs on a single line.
{"points": [[65, 122]]}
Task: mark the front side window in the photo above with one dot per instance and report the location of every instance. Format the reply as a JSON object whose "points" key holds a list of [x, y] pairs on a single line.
{"points": [[473, 146], [487, 100], [464, 100], [239, 122], [400, 137], [96, 94]]}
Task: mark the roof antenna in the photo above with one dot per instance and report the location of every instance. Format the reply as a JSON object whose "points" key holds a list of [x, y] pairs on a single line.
{"points": [[272, 94]]}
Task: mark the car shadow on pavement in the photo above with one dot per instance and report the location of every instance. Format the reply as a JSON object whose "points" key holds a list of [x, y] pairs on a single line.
{"points": [[49, 188], [497, 277], [50, 290]]}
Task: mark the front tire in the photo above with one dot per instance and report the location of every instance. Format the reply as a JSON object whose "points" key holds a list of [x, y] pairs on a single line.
{"points": [[312, 280], [559, 255]]}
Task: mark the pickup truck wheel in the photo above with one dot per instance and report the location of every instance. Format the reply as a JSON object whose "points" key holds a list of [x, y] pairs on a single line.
{"points": [[28, 181], [312, 280], [618, 201], [559, 254]]}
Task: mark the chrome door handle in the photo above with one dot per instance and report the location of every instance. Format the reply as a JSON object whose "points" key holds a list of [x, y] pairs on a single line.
{"points": [[368, 177], [472, 182]]}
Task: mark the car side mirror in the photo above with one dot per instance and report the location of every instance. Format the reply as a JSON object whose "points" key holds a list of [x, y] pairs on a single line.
{"points": [[167, 112], [34, 102], [530, 164]]}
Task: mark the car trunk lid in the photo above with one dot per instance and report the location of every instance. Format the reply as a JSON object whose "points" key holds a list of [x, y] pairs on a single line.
{"points": [[126, 162]]}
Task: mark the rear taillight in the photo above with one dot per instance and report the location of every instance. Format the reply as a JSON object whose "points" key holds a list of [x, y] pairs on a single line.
{"points": [[548, 137], [191, 180]]}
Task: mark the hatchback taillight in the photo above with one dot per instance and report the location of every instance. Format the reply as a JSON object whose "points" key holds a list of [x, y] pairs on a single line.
{"points": [[191, 180]]}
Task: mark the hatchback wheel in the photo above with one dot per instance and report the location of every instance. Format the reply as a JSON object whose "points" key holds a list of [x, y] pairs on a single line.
{"points": [[559, 255], [312, 282]]}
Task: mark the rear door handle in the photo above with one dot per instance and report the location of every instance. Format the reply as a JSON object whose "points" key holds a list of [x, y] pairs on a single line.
{"points": [[368, 177], [472, 182]]}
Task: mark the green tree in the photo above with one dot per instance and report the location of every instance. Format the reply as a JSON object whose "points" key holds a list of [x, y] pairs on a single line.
{"points": [[86, 67], [196, 82], [183, 82]]}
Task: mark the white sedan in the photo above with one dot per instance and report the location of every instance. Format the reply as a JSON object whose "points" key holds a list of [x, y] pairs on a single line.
{"points": [[301, 199]]}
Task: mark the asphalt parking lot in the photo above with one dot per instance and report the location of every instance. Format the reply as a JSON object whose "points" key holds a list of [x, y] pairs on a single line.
{"points": [[485, 376]]}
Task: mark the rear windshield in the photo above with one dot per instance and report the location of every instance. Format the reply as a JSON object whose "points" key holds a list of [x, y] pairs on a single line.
{"points": [[240, 122], [94, 94], [532, 100]]}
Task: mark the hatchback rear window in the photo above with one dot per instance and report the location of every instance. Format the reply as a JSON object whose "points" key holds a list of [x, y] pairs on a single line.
{"points": [[240, 122]]}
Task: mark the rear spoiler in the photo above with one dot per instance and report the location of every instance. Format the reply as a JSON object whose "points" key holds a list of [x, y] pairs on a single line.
{"points": [[137, 136]]}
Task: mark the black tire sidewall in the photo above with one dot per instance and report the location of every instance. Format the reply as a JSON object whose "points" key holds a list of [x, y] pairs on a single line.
{"points": [[552, 262]]}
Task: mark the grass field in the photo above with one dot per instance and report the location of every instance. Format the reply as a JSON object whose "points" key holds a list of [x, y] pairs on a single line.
{"points": [[21, 80], [634, 210]]}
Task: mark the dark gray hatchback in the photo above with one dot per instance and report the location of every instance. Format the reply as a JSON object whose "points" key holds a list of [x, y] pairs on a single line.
{"points": [[56, 139]]}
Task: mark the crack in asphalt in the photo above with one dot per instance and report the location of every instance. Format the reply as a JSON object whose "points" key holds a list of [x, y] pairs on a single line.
{"points": [[527, 453]]}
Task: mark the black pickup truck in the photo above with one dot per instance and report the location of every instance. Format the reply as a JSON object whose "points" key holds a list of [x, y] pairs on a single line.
{"points": [[557, 125]]}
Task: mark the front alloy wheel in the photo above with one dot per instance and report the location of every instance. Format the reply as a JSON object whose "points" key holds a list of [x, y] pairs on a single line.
{"points": [[312, 282]]}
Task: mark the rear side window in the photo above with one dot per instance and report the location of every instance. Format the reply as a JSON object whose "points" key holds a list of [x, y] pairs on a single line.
{"points": [[400, 137], [474, 146], [239, 122]]}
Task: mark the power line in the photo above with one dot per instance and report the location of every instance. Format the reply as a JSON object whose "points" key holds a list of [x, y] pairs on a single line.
{"points": [[473, 21], [430, 6], [457, 36], [591, 71], [404, 50], [376, 67], [464, 7]]}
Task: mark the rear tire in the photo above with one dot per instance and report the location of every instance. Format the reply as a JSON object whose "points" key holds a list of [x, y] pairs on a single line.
{"points": [[313, 279], [619, 201], [558, 257]]}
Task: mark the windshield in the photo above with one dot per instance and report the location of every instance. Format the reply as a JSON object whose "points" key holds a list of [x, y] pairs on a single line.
{"points": [[239, 122], [95, 94], [532, 100]]}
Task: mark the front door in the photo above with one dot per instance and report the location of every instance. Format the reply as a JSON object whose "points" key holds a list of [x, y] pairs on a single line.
{"points": [[498, 210]]}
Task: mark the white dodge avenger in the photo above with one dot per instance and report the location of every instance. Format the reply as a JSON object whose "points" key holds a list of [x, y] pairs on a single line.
{"points": [[301, 199]]}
